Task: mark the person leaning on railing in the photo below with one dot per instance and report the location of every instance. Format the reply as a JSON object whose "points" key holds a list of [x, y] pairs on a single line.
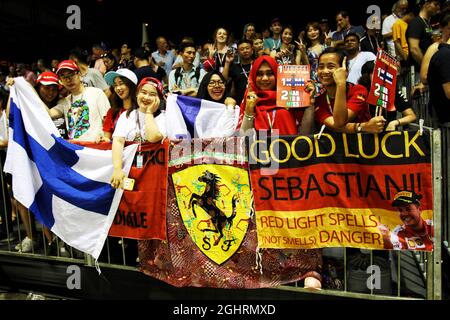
{"points": [[401, 103], [259, 110], [342, 107]]}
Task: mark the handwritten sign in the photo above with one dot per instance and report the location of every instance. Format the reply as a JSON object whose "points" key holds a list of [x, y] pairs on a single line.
{"points": [[384, 80], [291, 83]]}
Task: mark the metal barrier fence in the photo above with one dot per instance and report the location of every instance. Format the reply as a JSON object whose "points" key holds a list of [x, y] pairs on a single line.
{"points": [[404, 275]]}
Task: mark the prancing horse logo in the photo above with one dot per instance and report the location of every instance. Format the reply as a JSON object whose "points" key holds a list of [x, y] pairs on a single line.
{"points": [[207, 201], [217, 214]]}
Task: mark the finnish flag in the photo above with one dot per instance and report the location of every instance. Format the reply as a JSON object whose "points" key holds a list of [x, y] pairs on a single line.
{"points": [[386, 76], [189, 117], [64, 185]]}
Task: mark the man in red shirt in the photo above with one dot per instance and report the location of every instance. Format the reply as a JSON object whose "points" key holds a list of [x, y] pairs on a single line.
{"points": [[416, 233]]}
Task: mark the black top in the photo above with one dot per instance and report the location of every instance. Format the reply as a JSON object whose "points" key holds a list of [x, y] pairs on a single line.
{"points": [[239, 75], [160, 73], [418, 28], [439, 74], [401, 104], [144, 72], [371, 43]]}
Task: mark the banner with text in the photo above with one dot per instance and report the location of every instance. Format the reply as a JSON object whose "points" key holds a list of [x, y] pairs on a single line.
{"points": [[211, 228], [339, 191], [142, 211]]}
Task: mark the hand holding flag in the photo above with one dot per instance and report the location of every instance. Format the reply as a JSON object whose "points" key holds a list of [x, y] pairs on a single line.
{"points": [[64, 185]]}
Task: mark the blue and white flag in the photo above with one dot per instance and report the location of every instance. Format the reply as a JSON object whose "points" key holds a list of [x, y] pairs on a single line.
{"points": [[64, 185], [189, 117]]}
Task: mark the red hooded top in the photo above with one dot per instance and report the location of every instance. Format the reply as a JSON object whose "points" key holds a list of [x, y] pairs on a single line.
{"points": [[282, 119]]}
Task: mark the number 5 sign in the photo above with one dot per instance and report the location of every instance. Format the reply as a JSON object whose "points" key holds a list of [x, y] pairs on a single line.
{"points": [[291, 82]]}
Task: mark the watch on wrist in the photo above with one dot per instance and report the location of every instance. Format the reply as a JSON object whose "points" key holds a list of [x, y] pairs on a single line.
{"points": [[358, 128]]}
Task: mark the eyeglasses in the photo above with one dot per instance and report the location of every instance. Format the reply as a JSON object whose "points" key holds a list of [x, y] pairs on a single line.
{"points": [[216, 83], [68, 77]]}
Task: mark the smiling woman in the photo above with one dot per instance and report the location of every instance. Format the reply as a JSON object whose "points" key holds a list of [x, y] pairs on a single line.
{"points": [[123, 87], [142, 122], [214, 87], [259, 109]]}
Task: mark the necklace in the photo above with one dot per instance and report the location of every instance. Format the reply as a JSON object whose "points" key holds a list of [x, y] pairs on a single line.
{"points": [[246, 73], [80, 94], [276, 45], [329, 103], [428, 28], [138, 135], [371, 44]]}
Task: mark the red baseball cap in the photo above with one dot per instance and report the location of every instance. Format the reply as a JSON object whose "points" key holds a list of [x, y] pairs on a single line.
{"points": [[209, 64], [154, 82], [67, 64], [47, 78]]}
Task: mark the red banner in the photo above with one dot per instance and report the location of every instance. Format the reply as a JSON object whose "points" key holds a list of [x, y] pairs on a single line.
{"points": [[201, 251], [384, 80], [340, 191], [142, 211]]}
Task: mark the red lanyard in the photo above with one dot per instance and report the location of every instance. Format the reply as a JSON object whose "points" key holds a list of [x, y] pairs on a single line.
{"points": [[271, 121]]}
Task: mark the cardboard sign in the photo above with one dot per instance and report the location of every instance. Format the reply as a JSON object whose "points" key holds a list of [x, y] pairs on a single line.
{"points": [[384, 80], [291, 83]]}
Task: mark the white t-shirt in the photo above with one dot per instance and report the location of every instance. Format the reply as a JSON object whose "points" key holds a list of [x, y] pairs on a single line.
{"points": [[127, 127], [355, 65], [94, 78], [387, 28], [84, 114]]}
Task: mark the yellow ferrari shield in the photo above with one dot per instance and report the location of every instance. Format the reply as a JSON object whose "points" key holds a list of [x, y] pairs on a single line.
{"points": [[215, 204]]}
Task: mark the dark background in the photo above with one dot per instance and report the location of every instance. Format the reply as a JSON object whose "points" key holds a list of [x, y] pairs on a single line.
{"points": [[31, 29]]}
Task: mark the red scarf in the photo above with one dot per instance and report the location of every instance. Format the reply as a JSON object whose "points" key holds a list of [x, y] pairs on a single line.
{"points": [[268, 115]]}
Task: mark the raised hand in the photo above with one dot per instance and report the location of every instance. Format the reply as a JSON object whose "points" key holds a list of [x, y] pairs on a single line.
{"points": [[229, 57], [311, 89], [340, 74], [152, 107], [251, 100], [211, 50], [301, 46]]}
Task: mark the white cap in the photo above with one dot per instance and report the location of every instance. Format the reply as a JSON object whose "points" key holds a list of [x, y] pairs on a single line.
{"points": [[130, 75]]}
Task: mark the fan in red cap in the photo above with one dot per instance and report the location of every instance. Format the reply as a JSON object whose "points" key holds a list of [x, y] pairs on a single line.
{"points": [[154, 82], [67, 64], [48, 78], [48, 86]]}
